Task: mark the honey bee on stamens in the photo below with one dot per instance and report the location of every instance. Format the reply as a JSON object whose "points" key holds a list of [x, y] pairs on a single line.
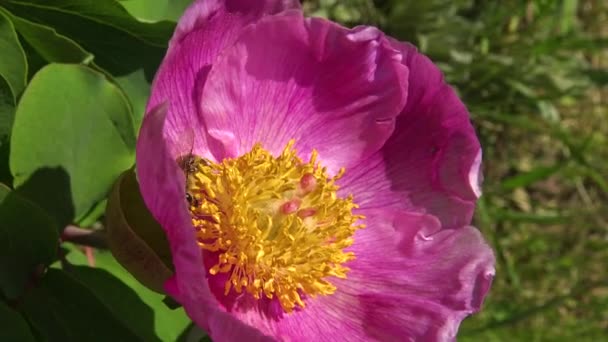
{"points": [[188, 163]]}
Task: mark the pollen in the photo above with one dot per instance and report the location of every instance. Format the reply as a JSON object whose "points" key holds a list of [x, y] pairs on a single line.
{"points": [[277, 224]]}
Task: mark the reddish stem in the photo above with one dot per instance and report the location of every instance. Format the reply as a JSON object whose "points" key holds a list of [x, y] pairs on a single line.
{"points": [[87, 237]]}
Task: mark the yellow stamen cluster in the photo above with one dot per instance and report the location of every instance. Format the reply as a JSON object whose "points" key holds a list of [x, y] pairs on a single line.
{"points": [[277, 224]]}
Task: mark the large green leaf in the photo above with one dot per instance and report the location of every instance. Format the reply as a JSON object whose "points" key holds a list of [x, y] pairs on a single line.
{"points": [[49, 44], [28, 240], [14, 327], [119, 298], [120, 43], [63, 309], [167, 323], [13, 66], [13, 73], [155, 10], [72, 137], [138, 90]]}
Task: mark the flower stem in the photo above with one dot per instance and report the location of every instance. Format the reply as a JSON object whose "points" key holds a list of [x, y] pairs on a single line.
{"points": [[96, 238]]}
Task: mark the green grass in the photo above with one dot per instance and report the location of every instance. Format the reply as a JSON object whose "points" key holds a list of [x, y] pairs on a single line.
{"points": [[533, 75]]}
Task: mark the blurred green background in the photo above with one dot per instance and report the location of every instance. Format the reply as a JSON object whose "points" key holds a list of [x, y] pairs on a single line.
{"points": [[534, 75]]}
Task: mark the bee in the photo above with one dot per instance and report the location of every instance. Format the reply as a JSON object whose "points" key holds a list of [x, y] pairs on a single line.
{"points": [[188, 163]]}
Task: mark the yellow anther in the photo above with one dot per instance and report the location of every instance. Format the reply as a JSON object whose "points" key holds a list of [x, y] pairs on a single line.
{"points": [[277, 223]]}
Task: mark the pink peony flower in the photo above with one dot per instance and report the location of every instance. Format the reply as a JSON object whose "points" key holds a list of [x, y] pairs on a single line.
{"points": [[331, 185]]}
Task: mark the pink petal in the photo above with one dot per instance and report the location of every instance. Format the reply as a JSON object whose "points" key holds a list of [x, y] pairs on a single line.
{"points": [[206, 28], [411, 281], [161, 184], [419, 280], [431, 163], [330, 88], [221, 326], [225, 327]]}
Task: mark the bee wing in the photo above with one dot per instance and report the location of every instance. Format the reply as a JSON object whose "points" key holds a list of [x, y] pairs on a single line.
{"points": [[184, 143]]}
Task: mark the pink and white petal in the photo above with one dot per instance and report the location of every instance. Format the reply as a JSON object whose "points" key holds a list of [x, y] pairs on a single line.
{"points": [[432, 161], [205, 29], [161, 183], [411, 281], [332, 89]]}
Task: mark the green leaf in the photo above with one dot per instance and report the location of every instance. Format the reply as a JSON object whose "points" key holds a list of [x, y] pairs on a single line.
{"points": [[193, 333], [138, 91], [167, 323], [71, 138], [598, 76], [120, 43], [536, 218], [93, 215], [5, 174], [120, 299], [28, 239], [597, 177], [13, 73], [570, 43], [14, 327], [568, 17], [49, 44], [35, 62], [63, 309], [156, 10], [13, 66], [7, 110], [526, 178]]}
